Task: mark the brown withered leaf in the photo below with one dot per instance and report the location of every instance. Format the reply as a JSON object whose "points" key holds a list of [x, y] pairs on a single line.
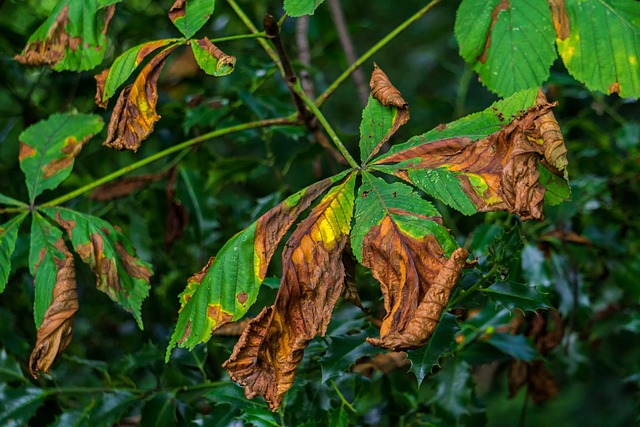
{"points": [[416, 280], [178, 10], [506, 162], [135, 114], [101, 79], [124, 187], [350, 291], [560, 18], [56, 330], [265, 358]]}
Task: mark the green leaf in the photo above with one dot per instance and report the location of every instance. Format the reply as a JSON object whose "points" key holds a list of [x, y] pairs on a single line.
{"points": [[48, 149], [77, 418], [558, 188], [454, 389], [46, 251], [225, 289], [72, 38], [602, 48], [344, 351], [440, 183], [377, 199], [474, 126], [125, 65], [259, 417], [159, 411], [379, 122], [190, 15], [18, 405], [212, 60], [111, 407], [296, 8], [8, 237], [424, 359], [9, 368], [517, 346], [6, 200], [515, 296], [508, 42], [119, 273]]}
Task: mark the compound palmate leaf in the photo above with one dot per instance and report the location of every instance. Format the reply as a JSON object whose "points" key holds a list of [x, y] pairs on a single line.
{"points": [[227, 286], [48, 149], [72, 38], [510, 43], [119, 273], [265, 358], [8, 237], [491, 160], [400, 237], [603, 45]]}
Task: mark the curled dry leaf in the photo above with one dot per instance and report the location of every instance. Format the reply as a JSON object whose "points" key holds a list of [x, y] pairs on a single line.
{"points": [[500, 171], [211, 59], [384, 91], [135, 114], [56, 330], [265, 358]]}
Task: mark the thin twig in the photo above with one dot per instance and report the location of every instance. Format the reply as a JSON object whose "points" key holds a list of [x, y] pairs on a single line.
{"points": [[349, 51], [382, 43]]}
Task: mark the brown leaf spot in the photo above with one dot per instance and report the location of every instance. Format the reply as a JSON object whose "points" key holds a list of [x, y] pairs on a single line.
{"points": [[101, 79], [26, 151], [560, 18], [242, 297], [132, 265], [135, 114], [224, 60], [178, 10], [56, 330], [187, 332], [614, 88], [71, 149], [503, 5], [441, 127], [217, 315]]}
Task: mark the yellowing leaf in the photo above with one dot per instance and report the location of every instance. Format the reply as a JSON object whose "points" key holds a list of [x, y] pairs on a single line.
{"points": [[135, 114], [265, 358]]}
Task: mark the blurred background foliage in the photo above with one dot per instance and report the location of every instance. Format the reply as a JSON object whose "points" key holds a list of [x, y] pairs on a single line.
{"points": [[584, 255]]}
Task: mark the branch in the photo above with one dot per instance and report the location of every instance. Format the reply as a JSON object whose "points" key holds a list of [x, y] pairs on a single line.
{"points": [[347, 46], [382, 43]]}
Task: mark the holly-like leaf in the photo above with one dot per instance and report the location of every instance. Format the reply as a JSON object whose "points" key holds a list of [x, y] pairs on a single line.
{"points": [[18, 405], [48, 149], [8, 237], [514, 296], [296, 8], [400, 237], [135, 113], [424, 359], [160, 411], [9, 368], [10, 201], [225, 288], [385, 112], [190, 15], [265, 358], [119, 273], [111, 407], [72, 38], [499, 38], [602, 47], [499, 171], [112, 78], [454, 389], [344, 351], [212, 60], [56, 327]]}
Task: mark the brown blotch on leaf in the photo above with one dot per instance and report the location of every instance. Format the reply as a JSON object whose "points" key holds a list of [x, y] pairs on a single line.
{"points": [[71, 149], [560, 18], [56, 330], [506, 160], [242, 297], [26, 151], [220, 316], [224, 60], [416, 283], [101, 79], [135, 114], [614, 88], [503, 5], [267, 354], [178, 10]]}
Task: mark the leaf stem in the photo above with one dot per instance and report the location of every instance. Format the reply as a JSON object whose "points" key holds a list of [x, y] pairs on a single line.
{"points": [[164, 153], [344, 401], [14, 210], [247, 22], [239, 37], [463, 294], [325, 124], [368, 54]]}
